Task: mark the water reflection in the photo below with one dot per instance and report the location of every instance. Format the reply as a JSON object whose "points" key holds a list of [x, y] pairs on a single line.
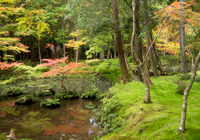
{"points": [[70, 121]]}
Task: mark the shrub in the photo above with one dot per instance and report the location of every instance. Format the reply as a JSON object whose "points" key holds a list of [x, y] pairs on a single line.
{"points": [[106, 115], [181, 88], [197, 79], [69, 94], [14, 91], [91, 92], [58, 96], [50, 103], [185, 76]]}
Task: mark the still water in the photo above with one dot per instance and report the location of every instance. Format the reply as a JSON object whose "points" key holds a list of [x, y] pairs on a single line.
{"points": [[71, 121]]}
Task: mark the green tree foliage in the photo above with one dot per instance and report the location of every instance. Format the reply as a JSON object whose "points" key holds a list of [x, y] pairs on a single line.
{"points": [[9, 11]]}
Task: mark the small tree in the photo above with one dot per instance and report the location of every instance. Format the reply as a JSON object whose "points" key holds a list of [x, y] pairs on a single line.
{"points": [[187, 90], [77, 42], [59, 67], [12, 44]]}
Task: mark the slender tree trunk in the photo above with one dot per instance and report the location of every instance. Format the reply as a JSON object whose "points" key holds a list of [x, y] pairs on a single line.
{"points": [[186, 92], [108, 53], [115, 53], [63, 39], [76, 51], [182, 41], [114, 49], [76, 55], [119, 44], [135, 52], [39, 50], [145, 65], [102, 53], [147, 32], [162, 72], [129, 68]]}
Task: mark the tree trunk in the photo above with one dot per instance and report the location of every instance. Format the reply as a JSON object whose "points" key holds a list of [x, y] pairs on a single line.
{"points": [[63, 39], [145, 65], [182, 41], [76, 55], [119, 44], [186, 92], [147, 32], [115, 53], [162, 72], [129, 68], [102, 53], [135, 51], [70, 53], [108, 53], [39, 50], [76, 51]]}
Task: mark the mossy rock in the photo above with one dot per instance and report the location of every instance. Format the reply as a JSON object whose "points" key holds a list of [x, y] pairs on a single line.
{"points": [[14, 91], [47, 92], [69, 94], [50, 103], [26, 100]]}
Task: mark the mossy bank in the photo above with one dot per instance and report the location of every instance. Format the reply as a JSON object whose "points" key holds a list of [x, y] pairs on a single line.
{"points": [[126, 117]]}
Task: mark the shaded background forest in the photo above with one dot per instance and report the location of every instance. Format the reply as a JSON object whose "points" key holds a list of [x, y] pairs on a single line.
{"points": [[85, 29]]}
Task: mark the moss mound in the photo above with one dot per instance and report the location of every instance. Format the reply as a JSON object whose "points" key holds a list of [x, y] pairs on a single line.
{"points": [[50, 103], [26, 100], [125, 115]]}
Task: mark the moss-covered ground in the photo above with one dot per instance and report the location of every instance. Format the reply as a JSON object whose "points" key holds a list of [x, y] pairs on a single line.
{"points": [[159, 120]]}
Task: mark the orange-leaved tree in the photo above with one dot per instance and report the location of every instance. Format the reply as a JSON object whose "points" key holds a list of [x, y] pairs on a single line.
{"points": [[5, 66], [170, 36], [60, 67]]}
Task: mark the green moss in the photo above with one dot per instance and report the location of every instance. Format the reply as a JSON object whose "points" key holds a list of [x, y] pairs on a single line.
{"points": [[91, 92], [25, 100], [50, 103], [13, 91], [158, 120]]}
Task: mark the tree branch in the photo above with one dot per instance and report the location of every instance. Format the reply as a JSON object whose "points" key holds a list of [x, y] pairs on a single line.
{"points": [[147, 54], [129, 5], [131, 72]]}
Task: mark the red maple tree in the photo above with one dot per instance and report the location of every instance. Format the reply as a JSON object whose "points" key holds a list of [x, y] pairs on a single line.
{"points": [[59, 67]]}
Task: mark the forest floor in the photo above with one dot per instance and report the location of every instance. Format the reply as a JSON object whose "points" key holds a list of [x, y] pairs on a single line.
{"points": [[159, 120]]}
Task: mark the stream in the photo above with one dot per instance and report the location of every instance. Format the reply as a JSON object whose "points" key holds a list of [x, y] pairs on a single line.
{"points": [[71, 121]]}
